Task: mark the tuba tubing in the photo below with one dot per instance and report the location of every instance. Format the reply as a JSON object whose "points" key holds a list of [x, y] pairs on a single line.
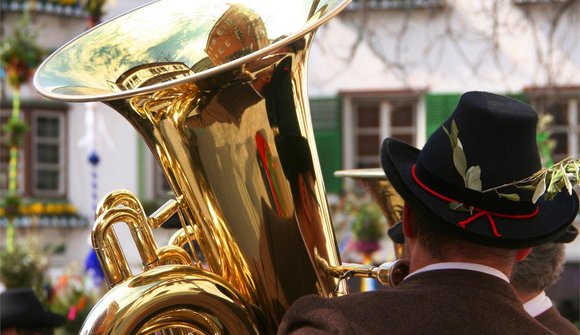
{"points": [[179, 297], [217, 91]]}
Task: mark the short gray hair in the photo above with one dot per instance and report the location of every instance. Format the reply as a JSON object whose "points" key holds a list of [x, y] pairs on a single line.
{"points": [[541, 269]]}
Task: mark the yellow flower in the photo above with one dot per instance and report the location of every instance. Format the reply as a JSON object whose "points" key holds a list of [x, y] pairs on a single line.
{"points": [[36, 208]]}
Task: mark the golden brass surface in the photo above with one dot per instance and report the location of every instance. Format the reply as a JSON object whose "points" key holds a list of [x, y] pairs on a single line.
{"points": [[218, 93], [171, 298], [388, 274]]}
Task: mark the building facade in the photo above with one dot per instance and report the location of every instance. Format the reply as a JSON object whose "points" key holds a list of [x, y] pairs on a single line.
{"points": [[381, 68]]}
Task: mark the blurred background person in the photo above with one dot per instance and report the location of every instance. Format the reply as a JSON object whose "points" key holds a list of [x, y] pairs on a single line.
{"points": [[21, 313], [531, 277]]}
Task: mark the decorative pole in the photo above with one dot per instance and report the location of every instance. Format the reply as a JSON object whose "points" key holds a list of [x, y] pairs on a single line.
{"points": [[15, 129], [19, 56]]}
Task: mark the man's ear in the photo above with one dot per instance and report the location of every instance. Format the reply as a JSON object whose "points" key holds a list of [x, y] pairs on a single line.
{"points": [[521, 254], [408, 228]]}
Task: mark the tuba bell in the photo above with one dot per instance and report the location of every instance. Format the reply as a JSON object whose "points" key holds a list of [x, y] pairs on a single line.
{"points": [[218, 93]]}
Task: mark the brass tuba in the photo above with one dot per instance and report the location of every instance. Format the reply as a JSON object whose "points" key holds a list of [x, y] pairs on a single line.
{"points": [[217, 91]]}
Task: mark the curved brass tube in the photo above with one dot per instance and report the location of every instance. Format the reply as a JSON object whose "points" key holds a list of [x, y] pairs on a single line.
{"points": [[217, 91], [172, 297], [388, 274]]}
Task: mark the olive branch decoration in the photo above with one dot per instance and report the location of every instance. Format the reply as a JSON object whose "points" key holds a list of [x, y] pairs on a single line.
{"points": [[472, 175], [546, 182]]}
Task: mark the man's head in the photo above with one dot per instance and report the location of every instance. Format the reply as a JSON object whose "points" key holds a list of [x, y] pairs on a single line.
{"points": [[459, 178], [21, 310], [540, 270]]}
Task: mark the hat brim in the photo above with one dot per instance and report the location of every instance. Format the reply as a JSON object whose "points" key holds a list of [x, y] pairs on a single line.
{"points": [[50, 319], [34, 320], [553, 218], [396, 233]]}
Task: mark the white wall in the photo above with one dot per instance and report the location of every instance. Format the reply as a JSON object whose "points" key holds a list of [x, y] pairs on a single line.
{"points": [[448, 50], [467, 45], [421, 56]]}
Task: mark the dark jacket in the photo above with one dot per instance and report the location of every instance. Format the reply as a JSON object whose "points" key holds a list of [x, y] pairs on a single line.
{"points": [[433, 302], [552, 319]]}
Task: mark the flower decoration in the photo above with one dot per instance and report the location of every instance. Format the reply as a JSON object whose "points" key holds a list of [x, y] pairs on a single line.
{"points": [[15, 130], [367, 222], [24, 265], [34, 207], [74, 294], [11, 206], [95, 10], [19, 54]]}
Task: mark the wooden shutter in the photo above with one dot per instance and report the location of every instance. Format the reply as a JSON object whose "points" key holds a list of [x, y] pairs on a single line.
{"points": [[439, 107], [327, 132]]}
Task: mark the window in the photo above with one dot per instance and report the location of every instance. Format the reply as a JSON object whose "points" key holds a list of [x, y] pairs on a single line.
{"points": [[42, 155], [370, 118], [47, 161], [563, 104]]}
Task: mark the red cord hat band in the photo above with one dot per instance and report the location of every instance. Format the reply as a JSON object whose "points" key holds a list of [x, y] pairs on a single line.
{"points": [[478, 211]]}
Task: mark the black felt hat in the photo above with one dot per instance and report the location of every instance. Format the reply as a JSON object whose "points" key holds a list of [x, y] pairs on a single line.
{"points": [[488, 141], [396, 234], [20, 308]]}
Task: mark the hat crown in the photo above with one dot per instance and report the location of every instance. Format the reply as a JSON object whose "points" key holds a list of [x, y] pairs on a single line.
{"points": [[497, 134], [20, 307], [466, 173]]}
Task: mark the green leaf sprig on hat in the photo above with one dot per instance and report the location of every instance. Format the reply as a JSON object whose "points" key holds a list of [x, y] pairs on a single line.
{"points": [[546, 182], [471, 176]]}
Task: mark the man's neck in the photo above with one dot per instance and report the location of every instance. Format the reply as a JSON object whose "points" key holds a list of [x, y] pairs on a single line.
{"points": [[421, 258], [526, 296]]}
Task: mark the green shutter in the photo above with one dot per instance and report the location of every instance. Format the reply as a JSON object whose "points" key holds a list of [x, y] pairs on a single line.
{"points": [[520, 96], [439, 107], [327, 132]]}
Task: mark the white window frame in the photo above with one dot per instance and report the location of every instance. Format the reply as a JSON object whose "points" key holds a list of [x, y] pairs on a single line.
{"points": [[60, 167], [572, 129], [350, 101]]}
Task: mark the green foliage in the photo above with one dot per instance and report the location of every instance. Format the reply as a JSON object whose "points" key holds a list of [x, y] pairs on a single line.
{"points": [[24, 266], [471, 176], [15, 130], [11, 205], [19, 54], [369, 223], [546, 143], [94, 7], [546, 183]]}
